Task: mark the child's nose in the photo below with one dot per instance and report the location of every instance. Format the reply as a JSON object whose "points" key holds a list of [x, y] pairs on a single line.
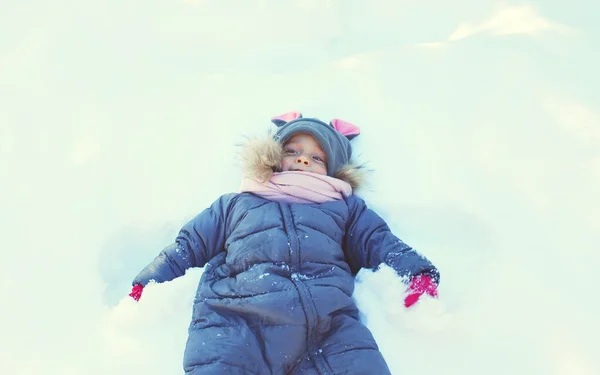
{"points": [[303, 160]]}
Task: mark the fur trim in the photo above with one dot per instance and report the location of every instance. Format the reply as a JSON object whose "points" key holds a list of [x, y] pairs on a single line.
{"points": [[262, 156], [355, 175]]}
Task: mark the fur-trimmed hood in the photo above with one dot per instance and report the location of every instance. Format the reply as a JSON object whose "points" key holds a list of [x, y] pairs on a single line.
{"points": [[261, 157]]}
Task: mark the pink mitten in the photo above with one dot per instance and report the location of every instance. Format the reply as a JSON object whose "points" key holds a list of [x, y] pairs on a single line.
{"points": [[136, 291], [420, 285]]}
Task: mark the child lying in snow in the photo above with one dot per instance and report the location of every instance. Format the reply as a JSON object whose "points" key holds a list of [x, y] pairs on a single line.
{"points": [[276, 293]]}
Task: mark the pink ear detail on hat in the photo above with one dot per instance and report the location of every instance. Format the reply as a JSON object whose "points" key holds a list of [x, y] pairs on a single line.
{"points": [[285, 118], [345, 128]]}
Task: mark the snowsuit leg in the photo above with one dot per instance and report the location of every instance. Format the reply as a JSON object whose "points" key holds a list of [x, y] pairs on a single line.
{"points": [[205, 348], [305, 366], [350, 349], [227, 342]]}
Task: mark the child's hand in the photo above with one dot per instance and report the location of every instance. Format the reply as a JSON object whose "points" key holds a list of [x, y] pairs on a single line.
{"points": [[420, 285], [136, 291]]}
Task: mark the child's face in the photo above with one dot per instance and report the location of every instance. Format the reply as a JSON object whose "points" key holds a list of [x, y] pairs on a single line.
{"points": [[303, 153]]}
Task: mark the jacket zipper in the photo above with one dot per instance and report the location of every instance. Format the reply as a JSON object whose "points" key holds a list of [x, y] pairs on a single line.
{"points": [[308, 305]]}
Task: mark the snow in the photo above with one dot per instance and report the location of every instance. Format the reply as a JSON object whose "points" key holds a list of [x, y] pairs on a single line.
{"points": [[118, 124]]}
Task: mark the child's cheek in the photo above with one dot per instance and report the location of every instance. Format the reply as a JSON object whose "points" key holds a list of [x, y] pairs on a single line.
{"points": [[284, 164]]}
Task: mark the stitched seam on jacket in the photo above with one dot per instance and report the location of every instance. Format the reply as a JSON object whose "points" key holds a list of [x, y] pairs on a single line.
{"points": [[221, 297], [319, 231], [256, 325], [258, 231], [223, 362]]}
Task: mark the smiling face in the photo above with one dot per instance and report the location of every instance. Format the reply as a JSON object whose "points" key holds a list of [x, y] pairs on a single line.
{"points": [[303, 153]]}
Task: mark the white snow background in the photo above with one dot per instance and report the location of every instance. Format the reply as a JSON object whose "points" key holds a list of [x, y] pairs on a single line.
{"points": [[480, 119]]}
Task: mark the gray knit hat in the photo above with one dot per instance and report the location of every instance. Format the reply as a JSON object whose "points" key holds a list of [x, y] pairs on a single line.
{"points": [[334, 137]]}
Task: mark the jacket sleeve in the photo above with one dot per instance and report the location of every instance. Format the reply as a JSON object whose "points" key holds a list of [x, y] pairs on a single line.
{"points": [[370, 242], [198, 241]]}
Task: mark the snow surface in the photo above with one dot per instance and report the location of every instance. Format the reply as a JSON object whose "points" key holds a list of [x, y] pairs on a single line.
{"points": [[118, 122]]}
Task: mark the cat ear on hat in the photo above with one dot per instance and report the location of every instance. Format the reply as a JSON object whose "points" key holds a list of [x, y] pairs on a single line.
{"points": [[346, 128], [285, 118]]}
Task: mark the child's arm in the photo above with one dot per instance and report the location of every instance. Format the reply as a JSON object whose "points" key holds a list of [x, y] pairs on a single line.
{"points": [[370, 242], [197, 242]]}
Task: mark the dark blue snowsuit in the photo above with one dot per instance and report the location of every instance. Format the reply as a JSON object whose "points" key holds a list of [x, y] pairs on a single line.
{"points": [[275, 296]]}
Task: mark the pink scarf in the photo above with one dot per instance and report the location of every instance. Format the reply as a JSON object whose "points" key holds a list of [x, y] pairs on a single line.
{"points": [[298, 187]]}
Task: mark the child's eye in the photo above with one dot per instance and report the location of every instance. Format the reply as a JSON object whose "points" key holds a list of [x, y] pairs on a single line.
{"points": [[318, 158], [289, 151]]}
